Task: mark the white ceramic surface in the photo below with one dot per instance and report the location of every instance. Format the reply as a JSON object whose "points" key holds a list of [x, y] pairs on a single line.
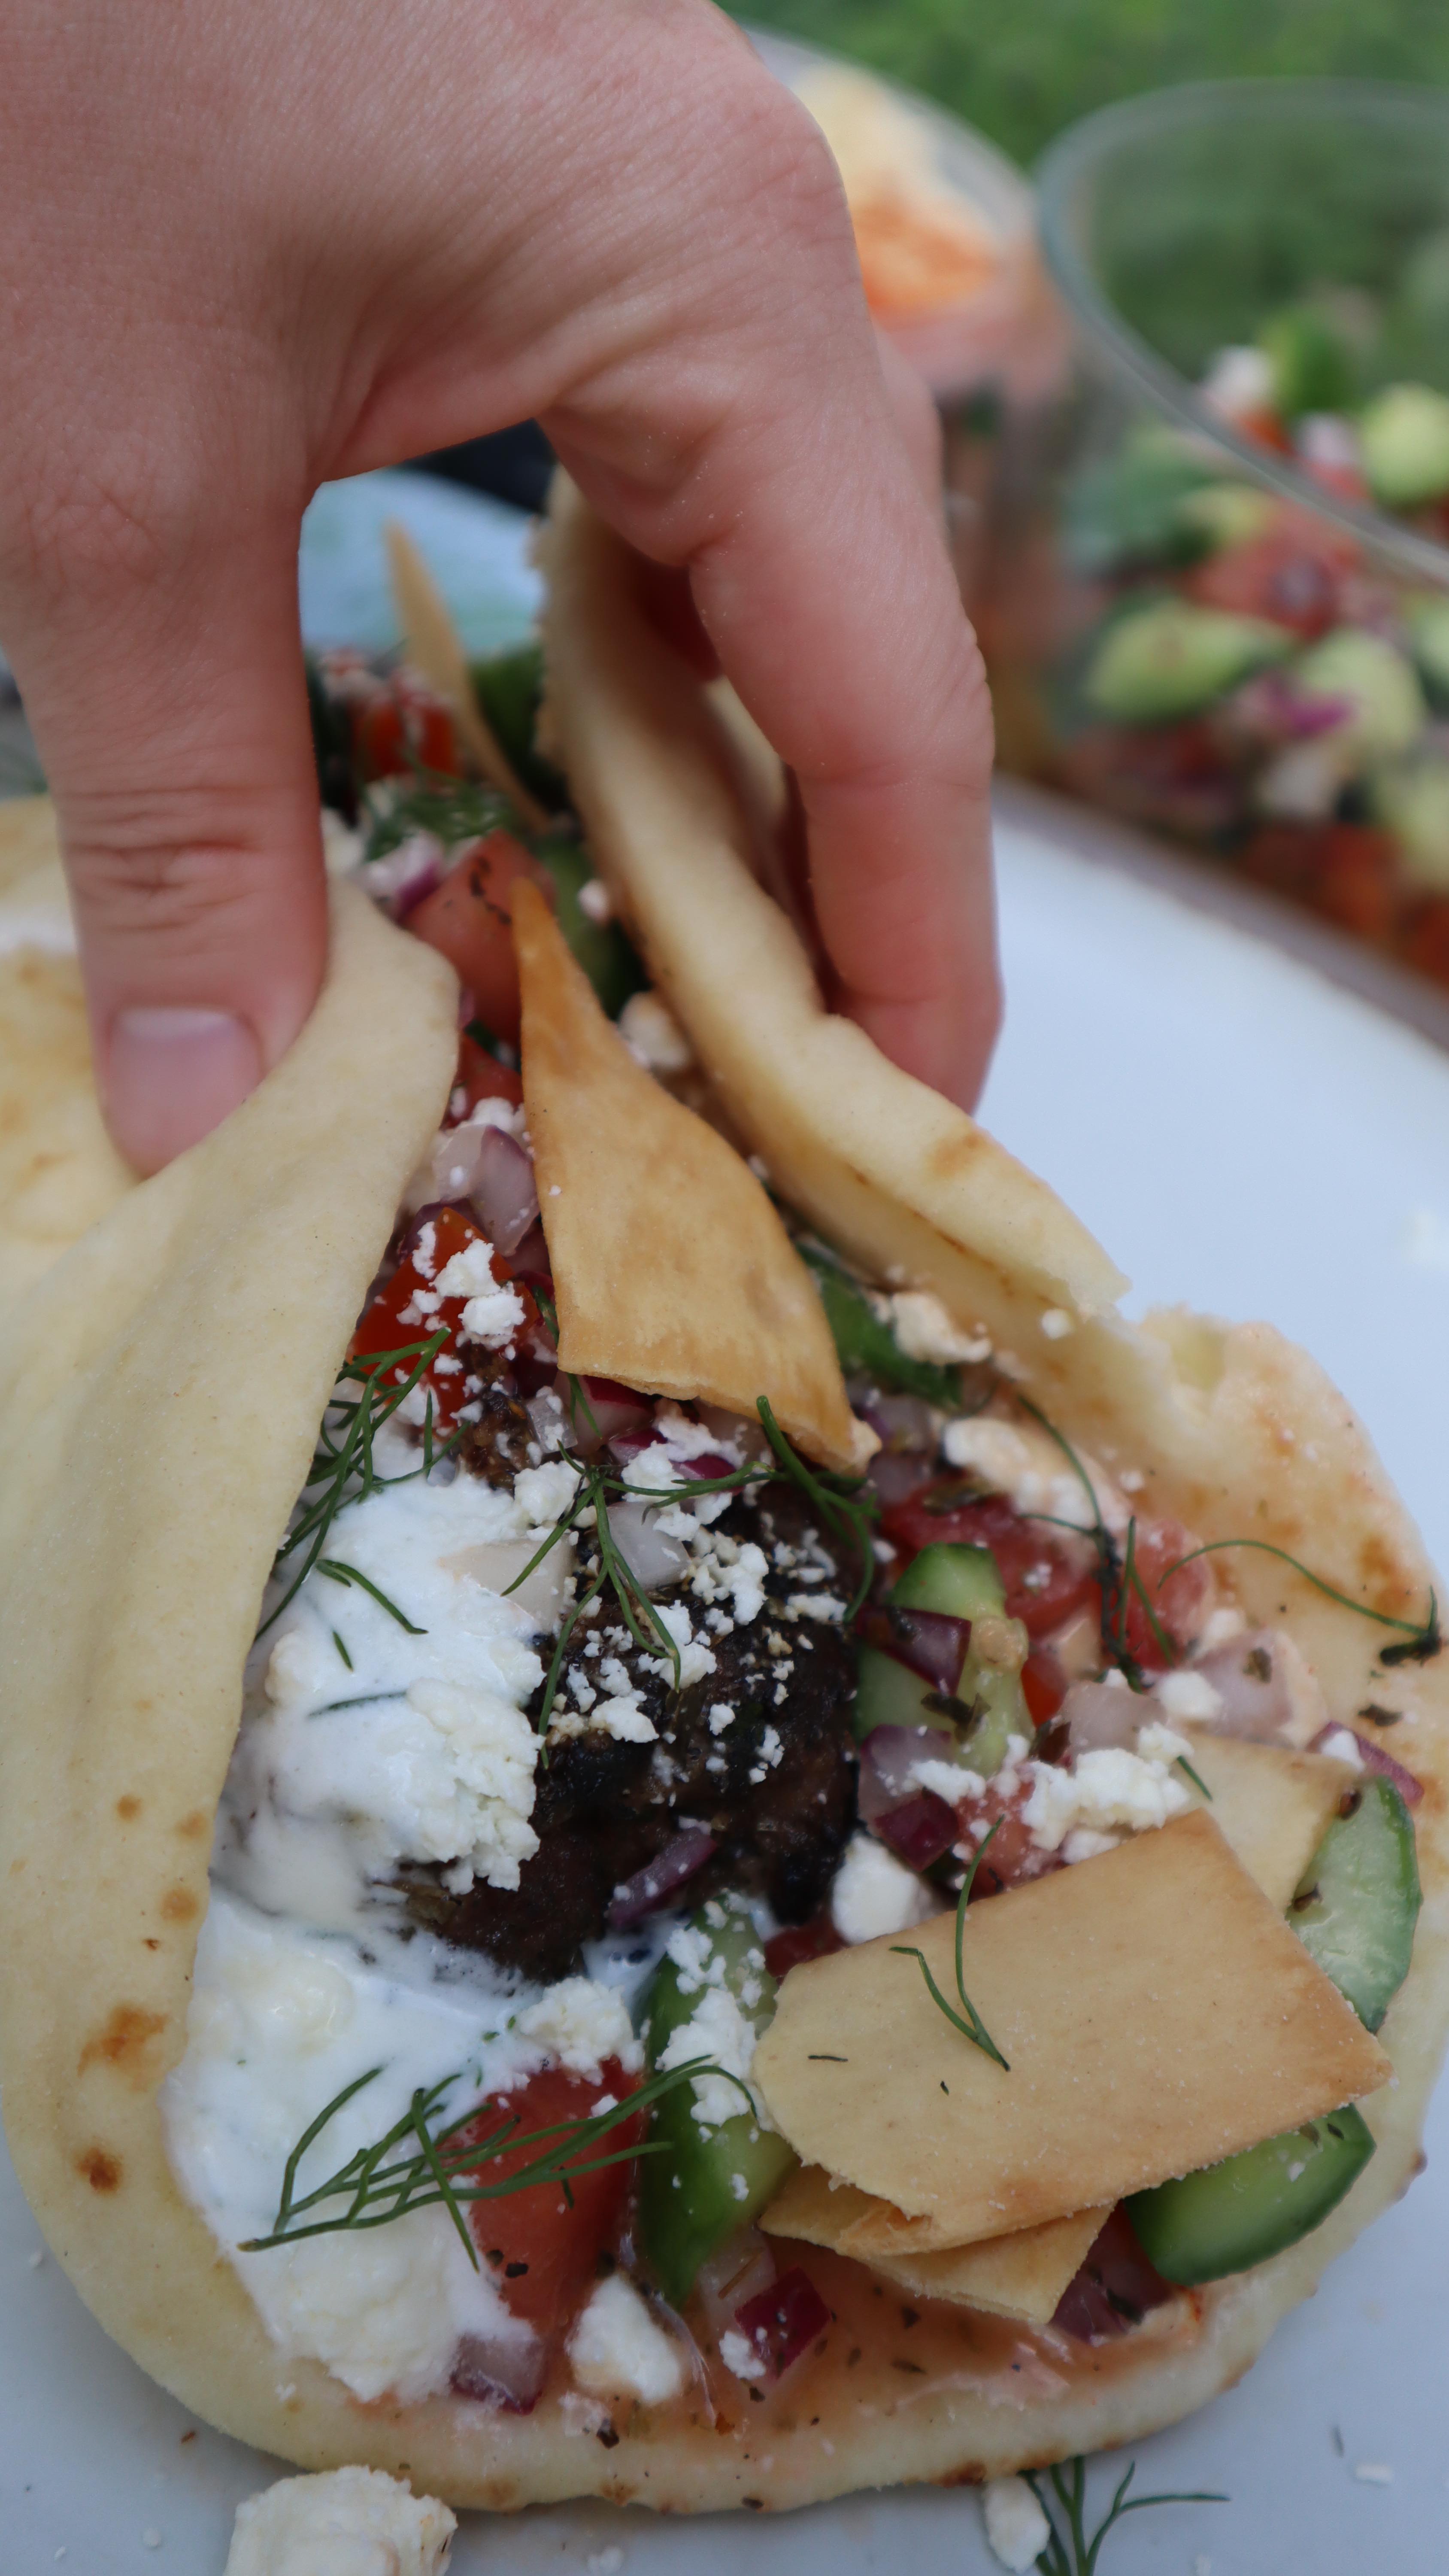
{"points": [[1243, 1135]]}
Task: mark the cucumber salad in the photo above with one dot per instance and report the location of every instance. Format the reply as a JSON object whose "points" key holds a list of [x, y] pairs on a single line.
{"points": [[580, 1720]]}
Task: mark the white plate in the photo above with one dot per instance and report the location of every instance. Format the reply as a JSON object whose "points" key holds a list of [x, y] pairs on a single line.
{"points": [[1243, 1135]]}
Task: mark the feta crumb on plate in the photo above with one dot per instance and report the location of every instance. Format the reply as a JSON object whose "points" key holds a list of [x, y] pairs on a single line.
{"points": [[617, 2349], [353, 2522], [1016, 2527]]}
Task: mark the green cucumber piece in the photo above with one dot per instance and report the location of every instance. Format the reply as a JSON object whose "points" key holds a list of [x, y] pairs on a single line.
{"points": [[1428, 619], [1358, 1902], [1312, 363], [1230, 2216], [606, 956], [1373, 688], [1404, 442], [1412, 798], [963, 1582], [865, 1345], [1171, 659], [703, 2184]]}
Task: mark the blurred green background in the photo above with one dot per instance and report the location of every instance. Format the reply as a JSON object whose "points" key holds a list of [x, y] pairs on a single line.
{"points": [[1022, 69]]}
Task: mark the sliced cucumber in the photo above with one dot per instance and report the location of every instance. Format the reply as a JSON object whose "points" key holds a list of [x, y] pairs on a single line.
{"points": [[963, 1582], [1171, 659], [1358, 1902], [1372, 688], [1230, 2216], [703, 2184], [864, 1342], [1404, 439]]}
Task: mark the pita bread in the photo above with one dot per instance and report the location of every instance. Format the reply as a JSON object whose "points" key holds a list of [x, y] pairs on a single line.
{"points": [[158, 1405]]}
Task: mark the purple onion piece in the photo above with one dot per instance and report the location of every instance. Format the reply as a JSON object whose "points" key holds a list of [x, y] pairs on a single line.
{"points": [[895, 1475], [500, 2370], [920, 1831], [903, 1424], [930, 1643], [783, 2321], [503, 1190], [1115, 2288], [888, 1759], [660, 1878], [1374, 1759]]}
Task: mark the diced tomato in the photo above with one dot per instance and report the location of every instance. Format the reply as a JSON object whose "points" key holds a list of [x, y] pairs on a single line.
{"points": [[1426, 939], [409, 1310], [1293, 574], [482, 1077], [1044, 1581], [1179, 1605], [791, 1948], [469, 918], [1347, 870], [542, 2253], [1012, 1857], [405, 728], [1043, 1685]]}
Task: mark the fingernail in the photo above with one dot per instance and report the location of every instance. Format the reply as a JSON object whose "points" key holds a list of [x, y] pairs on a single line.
{"points": [[171, 1076]]}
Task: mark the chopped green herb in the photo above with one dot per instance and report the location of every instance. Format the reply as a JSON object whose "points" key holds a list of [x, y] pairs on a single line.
{"points": [[342, 1650], [1071, 2499], [846, 1504], [1198, 1782], [343, 1469], [1422, 1640], [348, 1575], [972, 2027]]}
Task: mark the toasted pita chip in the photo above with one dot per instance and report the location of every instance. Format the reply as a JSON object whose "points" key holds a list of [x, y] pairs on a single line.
{"points": [[433, 645], [692, 1288], [1192, 2023], [1010, 2276], [1273, 1805]]}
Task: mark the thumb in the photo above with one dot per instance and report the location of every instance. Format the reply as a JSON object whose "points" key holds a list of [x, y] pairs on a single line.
{"points": [[169, 709]]}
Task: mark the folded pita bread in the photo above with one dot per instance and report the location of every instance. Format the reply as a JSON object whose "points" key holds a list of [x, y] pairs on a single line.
{"points": [[159, 1395]]}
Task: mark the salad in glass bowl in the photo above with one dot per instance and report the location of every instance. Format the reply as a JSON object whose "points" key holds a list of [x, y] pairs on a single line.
{"points": [[1219, 602]]}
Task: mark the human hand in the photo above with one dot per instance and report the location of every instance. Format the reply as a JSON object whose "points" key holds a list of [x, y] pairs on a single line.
{"points": [[252, 249]]}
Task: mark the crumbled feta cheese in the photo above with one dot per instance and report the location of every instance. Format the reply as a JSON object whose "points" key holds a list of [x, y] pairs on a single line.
{"points": [[617, 2348], [721, 1716], [1344, 1746], [595, 902], [469, 1785], [653, 1035], [1056, 1323], [771, 1748], [948, 1780], [1030, 1470], [1085, 1845], [695, 1658], [494, 1311], [469, 1273], [718, 2030], [1017, 2529], [1107, 1787], [355, 2522], [1239, 381], [1188, 1695], [817, 1605], [1223, 1626], [1373, 2473], [545, 1493], [581, 2023], [741, 2357], [925, 1331], [874, 1893]]}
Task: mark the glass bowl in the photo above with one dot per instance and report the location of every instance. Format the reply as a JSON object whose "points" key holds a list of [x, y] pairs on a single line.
{"points": [[1214, 638]]}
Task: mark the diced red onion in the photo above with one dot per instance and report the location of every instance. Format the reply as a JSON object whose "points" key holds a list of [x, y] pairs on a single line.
{"points": [[653, 1558], [920, 1831], [930, 1643], [1097, 1714], [895, 1475], [903, 1423], [500, 2370], [1257, 1705], [783, 2322], [888, 1759], [740, 2271], [1374, 1759], [529, 1260], [1115, 2288], [654, 1884], [503, 1189]]}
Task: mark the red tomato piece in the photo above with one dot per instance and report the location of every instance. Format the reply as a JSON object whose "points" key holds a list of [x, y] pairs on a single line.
{"points": [[1012, 1857], [469, 917], [798, 1942], [409, 1310], [482, 1077], [542, 2254], [1043, 1685], [404, 729], [1179, 1604], [1045, 1582], [1293, 575]]}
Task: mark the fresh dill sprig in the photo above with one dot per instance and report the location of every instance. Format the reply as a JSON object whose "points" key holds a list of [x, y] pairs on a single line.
{"points": [[454, 810], [1071, 2498], [1118, 1575], [348, 1575], [1199, 1783], [972, 2027], [443, 2169], [846, 1504], [1422, 1639], [343, 1468]]}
